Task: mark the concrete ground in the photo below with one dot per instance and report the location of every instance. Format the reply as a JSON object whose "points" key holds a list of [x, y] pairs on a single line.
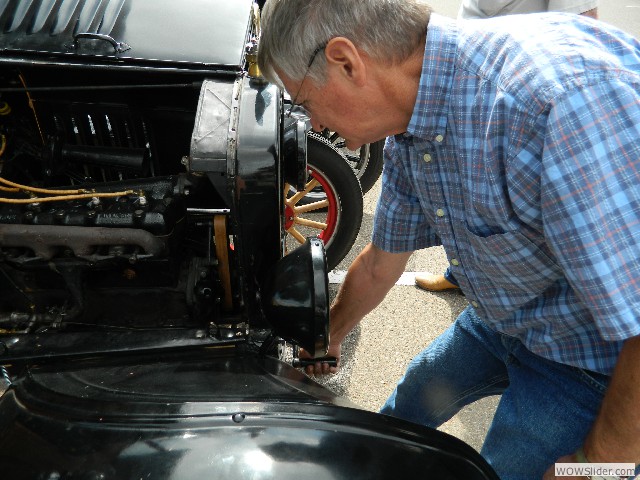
{"points": [[377, 352]]}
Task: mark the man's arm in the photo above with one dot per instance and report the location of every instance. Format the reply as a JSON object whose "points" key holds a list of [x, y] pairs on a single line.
{"points": [[593, 13], [614, 437], [370, 277]]}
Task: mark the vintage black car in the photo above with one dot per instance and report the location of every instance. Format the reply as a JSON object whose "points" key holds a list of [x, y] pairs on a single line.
{"points": [[149, 186]]}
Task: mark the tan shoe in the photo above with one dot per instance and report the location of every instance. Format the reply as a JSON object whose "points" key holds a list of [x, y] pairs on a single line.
{"points": [[434, 283]]}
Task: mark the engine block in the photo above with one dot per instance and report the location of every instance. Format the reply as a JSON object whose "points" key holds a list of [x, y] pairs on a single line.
{"points": [[139, 224]]}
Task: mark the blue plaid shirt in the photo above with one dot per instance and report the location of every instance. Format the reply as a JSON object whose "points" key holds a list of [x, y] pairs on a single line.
{"points": [[522, 158]]}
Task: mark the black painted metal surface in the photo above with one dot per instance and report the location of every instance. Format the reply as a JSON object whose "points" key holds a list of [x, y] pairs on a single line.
{"points": [[208, 416], [296, 298], [256, 189], [195, 33]]}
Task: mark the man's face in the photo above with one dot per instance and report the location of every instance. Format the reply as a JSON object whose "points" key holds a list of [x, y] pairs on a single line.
{"points": [[336, 106], [363, 99]]}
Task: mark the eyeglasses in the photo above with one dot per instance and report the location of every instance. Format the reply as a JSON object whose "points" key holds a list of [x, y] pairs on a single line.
{"points": [[300, 108]]}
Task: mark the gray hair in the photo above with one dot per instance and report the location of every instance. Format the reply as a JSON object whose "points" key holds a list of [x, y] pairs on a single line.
{"points": [[292, 30]]}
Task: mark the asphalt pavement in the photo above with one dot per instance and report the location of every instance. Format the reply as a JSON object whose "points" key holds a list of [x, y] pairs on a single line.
{"points": [[376, 353]]}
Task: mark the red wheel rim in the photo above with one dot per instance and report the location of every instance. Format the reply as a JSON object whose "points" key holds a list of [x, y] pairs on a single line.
{"points": [[332, 209], [288, 217]]}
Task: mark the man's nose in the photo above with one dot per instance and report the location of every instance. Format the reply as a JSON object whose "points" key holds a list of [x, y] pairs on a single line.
{"points": [[316, 125]]}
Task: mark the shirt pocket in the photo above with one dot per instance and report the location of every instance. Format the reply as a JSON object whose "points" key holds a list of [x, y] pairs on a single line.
{"points": [[510, 270]]}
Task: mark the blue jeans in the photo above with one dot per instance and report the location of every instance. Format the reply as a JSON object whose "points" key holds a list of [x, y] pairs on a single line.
{"points": [[450, 278], [546, 409]]}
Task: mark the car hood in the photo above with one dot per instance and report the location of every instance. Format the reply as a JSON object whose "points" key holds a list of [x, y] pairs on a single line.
{"points": [[194, 33], [209, 415]]}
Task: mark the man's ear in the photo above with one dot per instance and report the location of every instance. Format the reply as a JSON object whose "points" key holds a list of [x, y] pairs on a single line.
{"points": [[343, 55]]}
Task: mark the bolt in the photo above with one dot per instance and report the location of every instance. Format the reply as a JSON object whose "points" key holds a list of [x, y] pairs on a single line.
{"points": [[143, 201], [238, 417], [138, 213]]}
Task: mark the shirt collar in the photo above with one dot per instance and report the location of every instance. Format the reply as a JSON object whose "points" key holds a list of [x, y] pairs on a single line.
{"points": [[429, 118]]}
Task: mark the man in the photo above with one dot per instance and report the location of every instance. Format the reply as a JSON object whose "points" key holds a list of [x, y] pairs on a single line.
{"points": [[513, 142], [478, 9]]}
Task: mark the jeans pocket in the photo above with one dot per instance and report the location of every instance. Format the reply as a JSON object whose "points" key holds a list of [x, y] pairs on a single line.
{"points": [[598, 381], [585, 386]]}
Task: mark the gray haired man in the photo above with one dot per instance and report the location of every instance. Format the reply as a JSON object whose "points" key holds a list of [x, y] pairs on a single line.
{"points": [[512, 142]]}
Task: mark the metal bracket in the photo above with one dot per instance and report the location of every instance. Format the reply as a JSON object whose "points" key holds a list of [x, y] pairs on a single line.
{"points": [[222, 254], [118, 47]]}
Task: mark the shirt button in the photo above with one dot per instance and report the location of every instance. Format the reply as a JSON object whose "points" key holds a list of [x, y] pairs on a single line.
{"points": [[474, 304], [455, 262], [440, 212], [427, 157], [439, 138]]}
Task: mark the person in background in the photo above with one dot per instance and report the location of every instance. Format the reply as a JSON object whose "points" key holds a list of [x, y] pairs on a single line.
{"points": [[475, 9], [470, 9]]}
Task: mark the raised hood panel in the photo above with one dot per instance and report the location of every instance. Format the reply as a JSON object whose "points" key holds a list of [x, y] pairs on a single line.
{"points": [[191, 32]]}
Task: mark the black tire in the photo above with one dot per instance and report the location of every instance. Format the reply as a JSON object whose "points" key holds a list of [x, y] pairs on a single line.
{"points": [[367, 164], [343, 216], [367, 161]]}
